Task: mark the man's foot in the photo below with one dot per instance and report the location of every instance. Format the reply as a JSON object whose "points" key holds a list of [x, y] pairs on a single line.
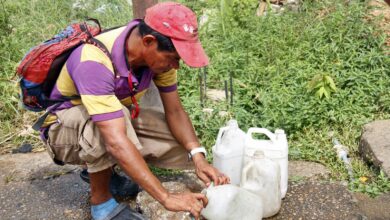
{"points": [[124, 212], [120, 186]]}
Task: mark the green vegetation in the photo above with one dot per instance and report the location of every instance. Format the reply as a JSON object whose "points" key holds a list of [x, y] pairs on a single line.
{"points": [[318, 71]]}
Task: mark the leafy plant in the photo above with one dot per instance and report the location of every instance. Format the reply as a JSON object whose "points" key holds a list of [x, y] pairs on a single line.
{"points": [[372, 188], [323, 85], [270, 58]]}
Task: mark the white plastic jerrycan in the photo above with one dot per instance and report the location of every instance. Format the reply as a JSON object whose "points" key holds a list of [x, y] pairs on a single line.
{"points": [[262, 177], [230, 202], [228, 151], [275, 148]]}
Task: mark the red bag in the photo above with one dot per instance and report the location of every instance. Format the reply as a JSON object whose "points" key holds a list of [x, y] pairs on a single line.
{"points": [[41, 66]]}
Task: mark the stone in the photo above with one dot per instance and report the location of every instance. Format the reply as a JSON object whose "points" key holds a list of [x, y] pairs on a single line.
{"points": [[216, 95], [261, 9], [192, 182], [305, 170], [24, 148], [223, 114], [153, 210], [374, 144], [278, 6], [208, 111], [374, 208], [187, 181]]}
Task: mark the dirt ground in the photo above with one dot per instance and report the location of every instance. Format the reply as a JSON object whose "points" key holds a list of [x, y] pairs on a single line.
{"points": [[380, 10]]}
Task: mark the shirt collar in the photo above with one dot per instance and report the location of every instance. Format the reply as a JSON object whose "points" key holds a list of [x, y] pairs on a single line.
{"points": [[118, 51]]}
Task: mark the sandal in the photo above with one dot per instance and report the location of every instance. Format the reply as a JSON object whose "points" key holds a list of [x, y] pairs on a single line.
{"points": [[124, 212]]}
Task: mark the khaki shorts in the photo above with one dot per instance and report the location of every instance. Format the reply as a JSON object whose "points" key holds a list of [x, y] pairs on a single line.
{"points": [[75, 139]]}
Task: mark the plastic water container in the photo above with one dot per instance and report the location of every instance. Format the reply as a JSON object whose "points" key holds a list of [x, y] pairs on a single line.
{"points": [[230, 202], [262, 177], [274, 148], [228, 151]]}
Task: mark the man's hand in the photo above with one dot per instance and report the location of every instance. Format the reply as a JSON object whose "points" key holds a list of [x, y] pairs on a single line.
{"points": [[187, 202], [208, 173]]}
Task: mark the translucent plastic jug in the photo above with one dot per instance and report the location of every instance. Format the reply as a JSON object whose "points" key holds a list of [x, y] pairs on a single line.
{"points": [[275, 148], [230, 202], [262, 177], [228, 151]]}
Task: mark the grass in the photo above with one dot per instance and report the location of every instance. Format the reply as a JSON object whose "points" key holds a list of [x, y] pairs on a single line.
{"points": [[23, 25], [274, 59], [278, 63]]}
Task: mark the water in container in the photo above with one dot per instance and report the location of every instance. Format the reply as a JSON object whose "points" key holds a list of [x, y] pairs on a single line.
{"points": [[261, 176], [228, 151], [230, 202], [274, 148]]}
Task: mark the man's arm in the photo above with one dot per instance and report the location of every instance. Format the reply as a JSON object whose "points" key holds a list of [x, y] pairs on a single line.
{"points": [[181, 127], [133, 164]]}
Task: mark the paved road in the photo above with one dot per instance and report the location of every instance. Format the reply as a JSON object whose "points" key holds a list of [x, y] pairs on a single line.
{"points": [[34, 188]]}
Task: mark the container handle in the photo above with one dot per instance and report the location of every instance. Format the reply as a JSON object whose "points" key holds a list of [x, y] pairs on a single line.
{"points": [[220, 133], [245, 171], [264, 131]]}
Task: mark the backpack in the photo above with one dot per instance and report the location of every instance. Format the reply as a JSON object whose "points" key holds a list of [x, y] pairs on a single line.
{"points": [[41, 66]]}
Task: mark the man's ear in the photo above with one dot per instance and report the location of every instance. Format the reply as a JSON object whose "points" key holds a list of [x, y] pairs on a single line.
{"points": [[148, 40]]}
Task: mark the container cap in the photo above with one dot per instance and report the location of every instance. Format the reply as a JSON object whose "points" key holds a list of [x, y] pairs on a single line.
{"points": [[232, 123]]}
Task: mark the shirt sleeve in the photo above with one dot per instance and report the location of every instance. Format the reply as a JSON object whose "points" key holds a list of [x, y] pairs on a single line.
{"points": [[96, 85], [166, 82]]}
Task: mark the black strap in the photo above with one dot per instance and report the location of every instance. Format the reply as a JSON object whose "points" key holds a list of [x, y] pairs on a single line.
{"points": [[62, 99], [96, 22], [110, 29], [84, 26], [56, 103], [38, 124], [102, 47]]}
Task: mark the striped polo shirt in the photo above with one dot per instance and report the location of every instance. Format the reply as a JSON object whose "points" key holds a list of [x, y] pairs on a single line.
{"points": [[89, 73]]}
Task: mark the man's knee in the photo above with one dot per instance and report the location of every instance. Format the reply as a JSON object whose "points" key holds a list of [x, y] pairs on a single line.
{"points": [[75, 139]]}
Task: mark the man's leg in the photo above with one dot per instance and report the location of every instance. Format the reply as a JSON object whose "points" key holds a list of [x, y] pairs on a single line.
{"points": [[159, 147], [99, 183], [76, 140], [102, 202]]}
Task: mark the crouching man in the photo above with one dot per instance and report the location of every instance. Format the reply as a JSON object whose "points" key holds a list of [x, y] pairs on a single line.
{"points": [[97, 130]]}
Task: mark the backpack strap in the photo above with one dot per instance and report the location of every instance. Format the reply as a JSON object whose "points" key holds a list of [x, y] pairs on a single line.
{"points": [[97, 43], [56, 103], [133, 89]]}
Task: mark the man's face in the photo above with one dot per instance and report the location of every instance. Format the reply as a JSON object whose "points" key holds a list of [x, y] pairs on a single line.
{"points": [[160, 61]]}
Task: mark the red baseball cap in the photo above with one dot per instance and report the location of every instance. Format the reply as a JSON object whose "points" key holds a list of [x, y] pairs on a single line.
{"points": [[178, 22]]}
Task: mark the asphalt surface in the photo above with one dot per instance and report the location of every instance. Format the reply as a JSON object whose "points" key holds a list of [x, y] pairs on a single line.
{"points": [[64, 197], [32, 187]]}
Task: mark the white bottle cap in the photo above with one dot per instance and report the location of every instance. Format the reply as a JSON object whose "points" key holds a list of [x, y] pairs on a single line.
{"points": [[233, 123]]}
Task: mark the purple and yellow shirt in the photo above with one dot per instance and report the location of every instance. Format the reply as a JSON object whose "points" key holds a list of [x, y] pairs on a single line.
{"points": [[89, 73]]}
